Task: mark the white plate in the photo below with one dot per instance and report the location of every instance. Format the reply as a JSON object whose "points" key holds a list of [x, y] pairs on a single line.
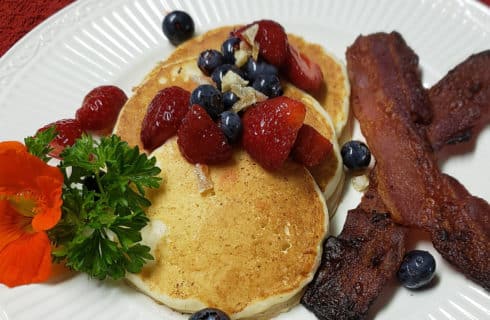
{"points": [[44, 77]]}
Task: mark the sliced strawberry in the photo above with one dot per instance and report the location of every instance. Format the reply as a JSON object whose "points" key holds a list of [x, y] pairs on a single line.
{"points": [[100, 108], [301, 71], [200, 140], [272, 40], [164, 116], [68, 130], [270, 128], [310, 148]]}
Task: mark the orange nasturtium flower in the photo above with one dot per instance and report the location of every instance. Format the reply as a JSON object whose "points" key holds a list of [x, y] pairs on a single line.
{"points": [[30, 204]]}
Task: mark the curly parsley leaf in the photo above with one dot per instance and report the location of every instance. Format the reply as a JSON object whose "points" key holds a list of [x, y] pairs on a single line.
{"points": [[38, 145], [103, 207]]}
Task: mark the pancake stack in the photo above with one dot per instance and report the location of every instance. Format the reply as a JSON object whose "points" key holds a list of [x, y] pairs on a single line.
{"points": [[250, 245]]}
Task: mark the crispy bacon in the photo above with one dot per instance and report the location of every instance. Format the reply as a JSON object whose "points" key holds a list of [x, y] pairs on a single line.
{"points": [[390, 106], [462, 233], [357, 264], [460, 102], [334, 292], [387, 101]]}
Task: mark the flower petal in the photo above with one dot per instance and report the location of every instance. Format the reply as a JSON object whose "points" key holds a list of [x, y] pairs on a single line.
{"points": [[13, 145], [18, 168], [26, 260], [32, 184], [49, 211], [12, 224]]}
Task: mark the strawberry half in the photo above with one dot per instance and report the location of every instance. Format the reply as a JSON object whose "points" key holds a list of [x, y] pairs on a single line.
{"points": [[68, 130], [270, 129], [310, 148], [301, 71], [272, 40], [100, 109], [164, 116], [200, 140]]}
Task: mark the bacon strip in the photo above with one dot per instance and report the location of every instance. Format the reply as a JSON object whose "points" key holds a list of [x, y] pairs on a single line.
{"points": [[387, 101], [460, 102], [332, 294], [390, 108], [357, 264]]}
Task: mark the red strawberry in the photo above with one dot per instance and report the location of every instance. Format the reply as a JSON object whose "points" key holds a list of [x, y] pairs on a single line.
{"points": [[68, 130], [201, 140], [301, 71], [310, 148], [272, 40], [270, 128], [100, 108], [164, 115]]}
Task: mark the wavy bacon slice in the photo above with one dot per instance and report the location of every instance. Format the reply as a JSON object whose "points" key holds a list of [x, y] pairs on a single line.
{"points": [[460, 102], [333, 294], [391, 107], [357, 264], [388, 98]]}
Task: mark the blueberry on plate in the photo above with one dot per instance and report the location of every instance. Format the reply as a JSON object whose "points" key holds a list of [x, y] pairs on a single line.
{"points": [[209, 314], [209, 60], [231, 125], [178, 27], [228, 49], [208, 97], [229, 99], [355, 155], [255, 68], [417, 269], [268, 84], [221, 71]]}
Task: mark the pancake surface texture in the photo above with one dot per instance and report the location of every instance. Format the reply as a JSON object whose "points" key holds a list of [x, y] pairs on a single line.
{"points": [[329, 174], [180, 69], [248, 247]]}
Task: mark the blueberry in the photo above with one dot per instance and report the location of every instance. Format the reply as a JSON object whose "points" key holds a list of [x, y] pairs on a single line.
{"points": [[209, 314], [355, 155], [221, 71], [255, 68], [231, 125], [228, 49], [417, 269], [229, 99], [209, 60], [268, 84], [178, 26], [209, 98]]}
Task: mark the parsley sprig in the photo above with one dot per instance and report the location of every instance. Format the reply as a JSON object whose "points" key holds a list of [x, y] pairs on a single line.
{"points": [[103, 207], [38, 145]]}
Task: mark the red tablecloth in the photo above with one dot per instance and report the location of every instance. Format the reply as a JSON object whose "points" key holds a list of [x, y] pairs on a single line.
{"points": [[17, 17]]}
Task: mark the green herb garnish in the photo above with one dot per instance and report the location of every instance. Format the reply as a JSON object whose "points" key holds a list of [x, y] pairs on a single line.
{"points": [[38, 145], [103, 205]]}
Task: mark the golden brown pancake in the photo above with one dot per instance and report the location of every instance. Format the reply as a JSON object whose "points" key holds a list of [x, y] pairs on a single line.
{"points": [[251, 245], [335, 92], [182, 74], [329, 174], [248, 248]]}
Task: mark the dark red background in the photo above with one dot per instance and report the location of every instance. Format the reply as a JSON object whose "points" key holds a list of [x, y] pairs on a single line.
{"points": [[17, 17]]}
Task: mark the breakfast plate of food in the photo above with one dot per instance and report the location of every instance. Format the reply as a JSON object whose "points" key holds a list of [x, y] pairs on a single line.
{"points": [[247, 160]]}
